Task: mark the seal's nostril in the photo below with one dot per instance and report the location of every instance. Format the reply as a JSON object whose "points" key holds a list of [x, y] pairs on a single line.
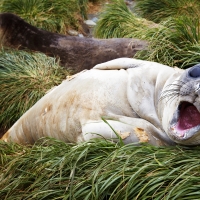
{"points": [[194, 72]]}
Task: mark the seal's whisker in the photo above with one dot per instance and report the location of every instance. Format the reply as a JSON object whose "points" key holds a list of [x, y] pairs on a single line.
{"points": [[173, 84], [170, 90], [170, 98], [171, 87], [179, 81], [178, 84], [169, 93]]}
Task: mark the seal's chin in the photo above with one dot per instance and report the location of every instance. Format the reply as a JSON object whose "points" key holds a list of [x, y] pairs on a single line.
{"points": [[185, 125]]}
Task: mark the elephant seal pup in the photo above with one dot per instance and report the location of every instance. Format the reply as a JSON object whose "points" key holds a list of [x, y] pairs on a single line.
{"points": [[142, 101]]}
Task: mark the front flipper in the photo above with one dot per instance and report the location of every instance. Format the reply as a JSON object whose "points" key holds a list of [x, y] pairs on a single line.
{"points": [[131, 130], [121, 63]]}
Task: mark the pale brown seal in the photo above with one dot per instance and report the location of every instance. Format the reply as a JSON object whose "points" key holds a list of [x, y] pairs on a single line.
{"points": [[142, 101]]}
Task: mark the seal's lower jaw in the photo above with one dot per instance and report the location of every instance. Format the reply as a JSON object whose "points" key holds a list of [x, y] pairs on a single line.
{"points": [[185, 125]]}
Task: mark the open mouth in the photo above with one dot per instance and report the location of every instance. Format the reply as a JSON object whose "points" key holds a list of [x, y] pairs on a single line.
{"points": [[186, 121], [189, 116]]}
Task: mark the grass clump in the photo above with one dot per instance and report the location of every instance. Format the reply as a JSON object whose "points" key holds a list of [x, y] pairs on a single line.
{"points": [[55, 15], [158, 11], [117, 21], [98, 170], [24, 78], [176, 43]]}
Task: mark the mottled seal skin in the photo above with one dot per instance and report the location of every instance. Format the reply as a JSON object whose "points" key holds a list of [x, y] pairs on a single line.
{"points": [[75, 53], [142, 101]]}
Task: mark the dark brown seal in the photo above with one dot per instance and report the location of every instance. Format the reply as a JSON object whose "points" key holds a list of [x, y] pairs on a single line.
{"points": [[75, 53]]}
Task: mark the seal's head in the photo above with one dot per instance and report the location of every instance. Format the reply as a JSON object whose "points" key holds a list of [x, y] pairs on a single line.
{"points": [[184, 127]]}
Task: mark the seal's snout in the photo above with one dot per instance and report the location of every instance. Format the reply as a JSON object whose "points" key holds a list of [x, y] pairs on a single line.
{"points": [[194, 72]]}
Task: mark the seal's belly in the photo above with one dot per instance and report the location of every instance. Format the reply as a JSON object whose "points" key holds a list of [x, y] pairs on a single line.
{"points": [[62, 112]]}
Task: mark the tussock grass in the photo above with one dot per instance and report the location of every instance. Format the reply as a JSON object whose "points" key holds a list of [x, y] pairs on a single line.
{"points": [[117, 21], [55, 15], [24, 79], [98, 170], [175, 41], [158, 11]]}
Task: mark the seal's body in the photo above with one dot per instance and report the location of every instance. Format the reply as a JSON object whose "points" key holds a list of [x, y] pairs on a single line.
{"points": [[136, 100]]}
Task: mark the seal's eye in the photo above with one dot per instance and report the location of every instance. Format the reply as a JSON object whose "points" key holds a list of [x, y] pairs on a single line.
{"points": [[195, 72]]}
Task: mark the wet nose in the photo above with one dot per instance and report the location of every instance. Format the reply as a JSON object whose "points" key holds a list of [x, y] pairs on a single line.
{"points": [[194, 72]]}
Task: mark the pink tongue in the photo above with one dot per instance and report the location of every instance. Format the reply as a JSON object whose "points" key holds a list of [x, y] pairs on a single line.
{"points": [[189, 117]]}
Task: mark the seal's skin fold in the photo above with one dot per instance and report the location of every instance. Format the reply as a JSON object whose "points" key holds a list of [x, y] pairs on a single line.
{"points": [[138, 99]]}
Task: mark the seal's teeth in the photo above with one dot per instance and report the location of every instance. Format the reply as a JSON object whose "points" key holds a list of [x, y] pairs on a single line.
{"points": [[182, 134], [173, 127], [177, 133]]}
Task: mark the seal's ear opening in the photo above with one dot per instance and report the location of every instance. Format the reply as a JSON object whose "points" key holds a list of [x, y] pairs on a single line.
{"points": [[194, 72]]}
